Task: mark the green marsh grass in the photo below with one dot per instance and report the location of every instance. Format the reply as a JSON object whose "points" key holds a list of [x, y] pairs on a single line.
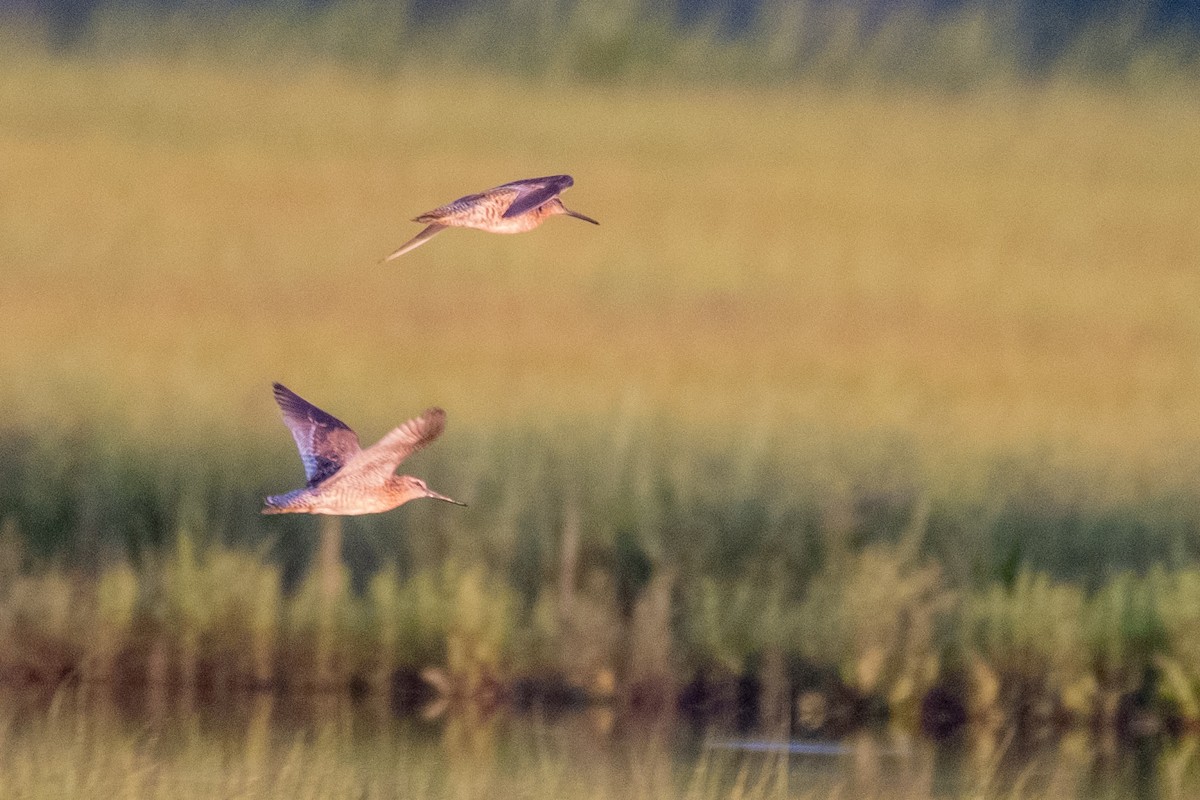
{"points": [[873, 637], [968, 46]]}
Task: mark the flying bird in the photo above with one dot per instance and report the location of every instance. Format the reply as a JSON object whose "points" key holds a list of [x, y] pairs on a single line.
{"points": [[342, 477], [512, 208]]}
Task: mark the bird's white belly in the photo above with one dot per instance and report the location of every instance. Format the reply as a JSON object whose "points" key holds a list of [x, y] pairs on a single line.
{"points": [[514, 225], [496, 223]]}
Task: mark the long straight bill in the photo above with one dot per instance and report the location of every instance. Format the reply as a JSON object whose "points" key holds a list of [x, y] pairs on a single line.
{"points": [[577, 215], [436, 496]]}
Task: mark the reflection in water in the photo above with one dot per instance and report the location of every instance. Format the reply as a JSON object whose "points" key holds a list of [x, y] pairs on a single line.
{"points": [[99, 742]]}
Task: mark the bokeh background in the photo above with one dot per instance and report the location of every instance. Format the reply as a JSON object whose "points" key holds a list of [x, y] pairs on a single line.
{"points": [[880, 379]]}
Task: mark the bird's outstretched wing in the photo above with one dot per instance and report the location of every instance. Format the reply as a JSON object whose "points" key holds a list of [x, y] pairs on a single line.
{"points": [[533, 192], [324, 441], [380, 460], [418, 240]]}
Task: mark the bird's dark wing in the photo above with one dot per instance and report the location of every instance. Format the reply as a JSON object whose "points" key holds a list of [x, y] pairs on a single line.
{"points": [[325, 442], [381, 459], [534, 192]]}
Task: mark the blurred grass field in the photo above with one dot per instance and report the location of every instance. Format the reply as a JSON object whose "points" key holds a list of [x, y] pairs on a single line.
{"points": [[996, 269], [835, 362]]}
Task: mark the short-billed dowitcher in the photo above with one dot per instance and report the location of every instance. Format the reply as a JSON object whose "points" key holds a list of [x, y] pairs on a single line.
{"points": [[342, 477], [512, 208]]}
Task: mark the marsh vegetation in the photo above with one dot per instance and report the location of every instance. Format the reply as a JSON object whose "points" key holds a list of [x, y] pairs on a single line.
{"points": [[857, 396]]}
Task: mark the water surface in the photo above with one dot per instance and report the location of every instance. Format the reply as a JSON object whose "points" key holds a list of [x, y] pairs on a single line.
{"points": [[79, 743]]}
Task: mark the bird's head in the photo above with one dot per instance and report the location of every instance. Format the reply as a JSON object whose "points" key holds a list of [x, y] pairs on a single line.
{"points": [[418, 488]]}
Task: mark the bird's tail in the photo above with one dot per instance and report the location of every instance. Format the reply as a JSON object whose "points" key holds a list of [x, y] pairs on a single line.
{"points": [[418, 240], [290, 503]]}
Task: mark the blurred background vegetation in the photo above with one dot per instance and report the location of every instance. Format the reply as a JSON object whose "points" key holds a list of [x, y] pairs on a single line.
{"points": [[878, 387], [843, 43]]}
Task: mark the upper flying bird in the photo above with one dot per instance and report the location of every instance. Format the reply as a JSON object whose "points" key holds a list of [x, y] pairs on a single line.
{"points": [[512, 208], [342, 477]]}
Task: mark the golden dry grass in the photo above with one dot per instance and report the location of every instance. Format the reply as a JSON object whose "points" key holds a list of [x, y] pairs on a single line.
{"points": [[989, 270]]}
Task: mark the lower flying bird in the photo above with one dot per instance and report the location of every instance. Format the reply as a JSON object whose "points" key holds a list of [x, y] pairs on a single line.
{"points": [[512, 208], [342, 477]]}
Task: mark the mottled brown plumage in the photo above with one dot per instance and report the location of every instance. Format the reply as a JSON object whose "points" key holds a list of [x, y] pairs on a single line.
{"points": [[512, 208], [342, 477]]}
